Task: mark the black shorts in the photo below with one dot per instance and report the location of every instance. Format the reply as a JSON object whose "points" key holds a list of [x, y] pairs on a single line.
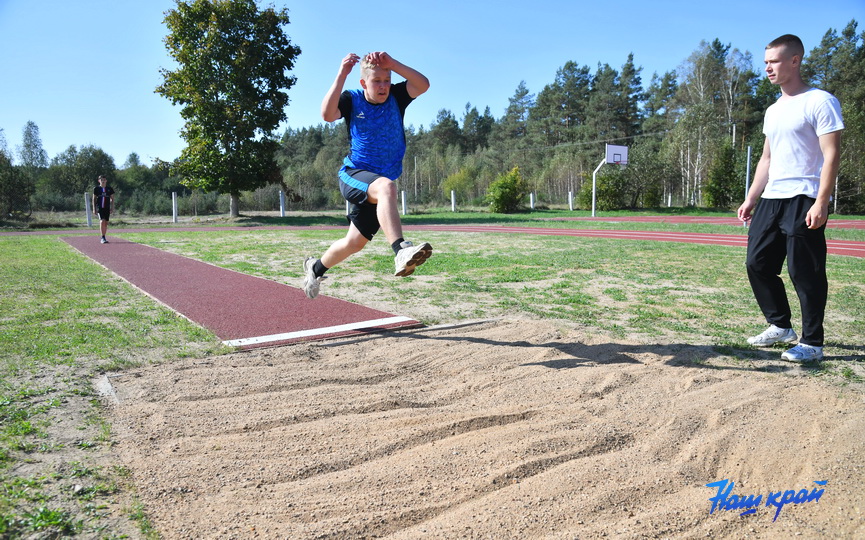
{"points": [[103, 213], [361, 212]]}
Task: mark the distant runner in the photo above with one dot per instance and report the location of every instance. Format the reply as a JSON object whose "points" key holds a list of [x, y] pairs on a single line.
{"points": [[103, 202]]}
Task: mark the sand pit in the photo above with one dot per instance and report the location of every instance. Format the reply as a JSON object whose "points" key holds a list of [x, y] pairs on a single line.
{"points": [[501, 429]]}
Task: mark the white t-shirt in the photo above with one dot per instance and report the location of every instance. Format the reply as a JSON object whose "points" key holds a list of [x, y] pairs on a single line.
{"points": [[793, 127]]}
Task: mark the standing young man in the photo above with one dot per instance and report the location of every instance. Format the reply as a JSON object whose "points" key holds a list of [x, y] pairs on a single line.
{"points": [[374, 118], [103, 202], [795, 176]]}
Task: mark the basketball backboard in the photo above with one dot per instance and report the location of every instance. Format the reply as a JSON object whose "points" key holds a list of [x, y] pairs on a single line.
{"points": [[617, 154]]}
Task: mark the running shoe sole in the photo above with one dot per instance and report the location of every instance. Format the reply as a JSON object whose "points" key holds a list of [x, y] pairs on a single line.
{"points": [[422, 253]]}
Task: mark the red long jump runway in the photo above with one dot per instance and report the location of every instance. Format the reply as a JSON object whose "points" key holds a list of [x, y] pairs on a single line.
{"points": [[835, 247], [244, 311]]}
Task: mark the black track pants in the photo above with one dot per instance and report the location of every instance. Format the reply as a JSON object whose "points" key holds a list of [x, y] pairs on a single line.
{"points": [[778, 231]]}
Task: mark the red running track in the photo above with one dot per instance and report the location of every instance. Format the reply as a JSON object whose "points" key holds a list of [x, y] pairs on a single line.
{"points": [[711, 220], [835, 247], [244, 311]]}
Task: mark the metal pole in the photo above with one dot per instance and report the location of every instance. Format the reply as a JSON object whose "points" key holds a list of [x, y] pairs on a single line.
{"points": [[595, 184], [88, 210], [174, 206], [281, 203], [453, 201], [571, 200], [747, 179], [403, 203], [532, 200]]}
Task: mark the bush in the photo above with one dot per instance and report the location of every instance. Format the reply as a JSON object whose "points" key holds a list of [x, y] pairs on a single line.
{"points": [[55, 202], [611, 192], [145, 202], [507, 193]]}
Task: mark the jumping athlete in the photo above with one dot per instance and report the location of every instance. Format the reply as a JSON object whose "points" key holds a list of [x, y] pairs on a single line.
{"points": [[374, 119]]}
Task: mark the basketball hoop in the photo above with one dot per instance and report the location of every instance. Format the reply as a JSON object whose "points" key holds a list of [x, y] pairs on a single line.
{"points": [[614, 154]]}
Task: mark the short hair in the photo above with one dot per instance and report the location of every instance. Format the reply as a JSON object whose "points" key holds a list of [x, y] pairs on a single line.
{"points": [[366, 66], [101, 177], [793, 44]]}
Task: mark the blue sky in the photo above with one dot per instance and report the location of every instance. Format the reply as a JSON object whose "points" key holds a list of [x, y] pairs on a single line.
{"points": [[84, 71]]}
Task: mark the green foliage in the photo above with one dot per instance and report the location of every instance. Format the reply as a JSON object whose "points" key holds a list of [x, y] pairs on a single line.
{"points": [[231, 80], [15, 191], [610, 192], [461, 182], [507, 193], [722, 188], [73, 173]]}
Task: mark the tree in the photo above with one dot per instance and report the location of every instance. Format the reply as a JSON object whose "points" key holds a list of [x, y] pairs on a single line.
{"points": [[722, 187], [632, 94], [15, 190], [837, 65], [71, 174], [560, 109], [603, 116], [510, 131], [34, 159], [231, 81], [33, 156], [659, 111], [476, 128], [446, 131]]}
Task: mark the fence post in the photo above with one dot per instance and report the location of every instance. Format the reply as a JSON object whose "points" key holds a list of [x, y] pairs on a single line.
{"points": [[571, 200], [532, 200], [281, 203], [88, 210], [174, 207], [453, 201]]}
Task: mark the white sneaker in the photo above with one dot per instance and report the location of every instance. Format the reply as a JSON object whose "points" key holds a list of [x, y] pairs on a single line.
{"points": [[410, 257], [773, 335], [311, 284], [803, 353], [103, 241]]}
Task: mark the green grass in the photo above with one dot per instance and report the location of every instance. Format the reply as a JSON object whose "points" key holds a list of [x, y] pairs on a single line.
{"points": [[687, 292], [64, 319]]}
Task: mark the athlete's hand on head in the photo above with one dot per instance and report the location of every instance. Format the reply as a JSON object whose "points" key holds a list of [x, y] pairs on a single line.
{"points": [[348, 63], [381, 59]]}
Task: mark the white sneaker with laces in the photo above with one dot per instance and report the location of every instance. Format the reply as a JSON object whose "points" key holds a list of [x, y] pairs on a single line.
{"points": [[311, 284], [803, 353], [773, 335], [410, 257]]}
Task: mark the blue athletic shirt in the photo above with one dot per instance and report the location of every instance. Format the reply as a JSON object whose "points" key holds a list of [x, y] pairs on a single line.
{"points": [[376, 131]]}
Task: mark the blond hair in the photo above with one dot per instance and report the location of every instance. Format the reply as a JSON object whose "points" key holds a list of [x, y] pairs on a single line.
{"points": [[366, 66]]}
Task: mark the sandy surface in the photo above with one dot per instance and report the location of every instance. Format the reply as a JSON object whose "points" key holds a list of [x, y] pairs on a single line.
{"points": [[501, 429]]}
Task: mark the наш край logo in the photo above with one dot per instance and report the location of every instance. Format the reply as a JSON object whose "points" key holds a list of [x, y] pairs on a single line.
{"points": [[725, 500]]}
